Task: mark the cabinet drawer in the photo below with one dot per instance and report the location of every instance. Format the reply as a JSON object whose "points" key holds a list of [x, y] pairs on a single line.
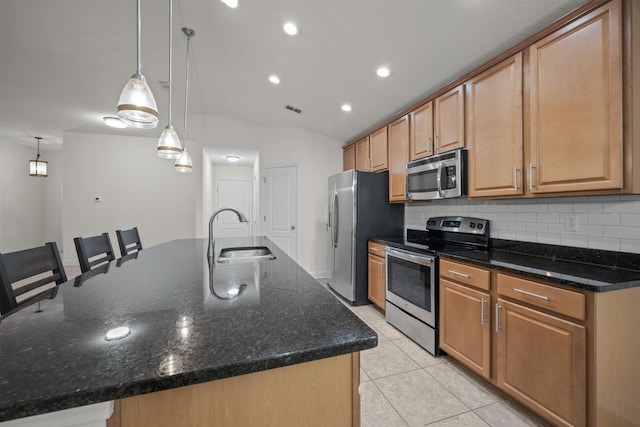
{"points": [[376, 249], [561, 301], [466, 274]]}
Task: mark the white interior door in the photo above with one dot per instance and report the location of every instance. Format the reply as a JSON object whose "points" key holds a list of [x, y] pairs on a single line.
{"points": [[233, 193], [281, 208]]}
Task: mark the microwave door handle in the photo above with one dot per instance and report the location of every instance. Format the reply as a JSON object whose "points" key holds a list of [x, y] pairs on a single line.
{"points": [[439, 181]]}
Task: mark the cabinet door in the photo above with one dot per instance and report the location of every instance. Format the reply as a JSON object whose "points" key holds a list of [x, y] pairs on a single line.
{"points": [[541, 362], [465, 326], [377, 289], [449, 118], [363, 160], [378, 149], [349, 158], [494, 132], [421, 140], [398, 158], [576, 102]]}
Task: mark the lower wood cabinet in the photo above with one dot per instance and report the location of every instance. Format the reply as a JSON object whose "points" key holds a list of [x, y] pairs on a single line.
{"points": [[377, 271], [465, 329], [541, 362], [526, 343]]}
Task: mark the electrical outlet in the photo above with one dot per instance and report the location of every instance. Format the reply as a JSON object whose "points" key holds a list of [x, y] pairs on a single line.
{"points": [[571, 223]]}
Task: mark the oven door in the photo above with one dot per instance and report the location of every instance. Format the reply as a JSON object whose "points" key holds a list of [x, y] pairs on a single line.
{"points": [[411, 283]]}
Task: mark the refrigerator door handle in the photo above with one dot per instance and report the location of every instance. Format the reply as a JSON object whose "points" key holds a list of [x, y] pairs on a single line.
{"points": [[335, 220]]}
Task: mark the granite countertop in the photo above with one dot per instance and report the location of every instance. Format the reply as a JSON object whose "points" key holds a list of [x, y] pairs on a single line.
{"points": [[185, 328], [590, 269]]}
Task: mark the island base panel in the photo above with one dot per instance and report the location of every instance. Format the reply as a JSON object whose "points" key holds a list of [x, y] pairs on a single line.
{"points": [[318, 393]]}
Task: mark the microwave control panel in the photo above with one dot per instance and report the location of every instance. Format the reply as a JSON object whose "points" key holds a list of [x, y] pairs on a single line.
{"points": [[449, 178]]}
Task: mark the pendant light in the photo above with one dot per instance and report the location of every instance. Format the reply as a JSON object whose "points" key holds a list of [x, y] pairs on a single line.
{"points": [[169, 146], [137, 106], [183, 163], [37, 166]]}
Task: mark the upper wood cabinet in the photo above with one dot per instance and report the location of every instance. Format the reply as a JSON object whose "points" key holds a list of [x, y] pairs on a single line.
{"points": [[378, 150], [421, 139], [576, 105], [398, 158], [494, 130], [363, 159], [449, 120], [349, 158]]}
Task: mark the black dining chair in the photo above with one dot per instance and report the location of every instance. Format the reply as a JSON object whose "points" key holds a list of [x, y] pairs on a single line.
{"points": [[129, 241], [28, 270], [94, 251]]}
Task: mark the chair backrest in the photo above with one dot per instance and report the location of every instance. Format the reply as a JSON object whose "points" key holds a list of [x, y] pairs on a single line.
{"points": [[129, 241], [93, 251], [34, 268]]}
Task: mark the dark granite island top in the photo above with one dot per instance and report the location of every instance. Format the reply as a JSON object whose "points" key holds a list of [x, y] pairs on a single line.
{"points": [[185, 329]]}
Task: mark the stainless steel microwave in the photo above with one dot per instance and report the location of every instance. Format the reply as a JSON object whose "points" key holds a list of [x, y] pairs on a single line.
{"points": [[442, 176]]}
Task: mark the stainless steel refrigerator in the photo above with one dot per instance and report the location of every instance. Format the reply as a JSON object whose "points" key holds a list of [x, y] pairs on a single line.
{"points": [[359, 209]]}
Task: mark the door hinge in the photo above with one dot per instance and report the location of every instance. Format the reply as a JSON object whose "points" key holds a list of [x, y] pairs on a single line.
{"points": [[264, 179], [265, 218]]}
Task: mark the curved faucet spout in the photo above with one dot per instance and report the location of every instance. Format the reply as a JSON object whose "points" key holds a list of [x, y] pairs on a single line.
{"points": [[211, 248]]}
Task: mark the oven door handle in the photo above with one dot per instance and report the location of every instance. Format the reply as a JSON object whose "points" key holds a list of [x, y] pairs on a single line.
{"points": [[408, 256]]}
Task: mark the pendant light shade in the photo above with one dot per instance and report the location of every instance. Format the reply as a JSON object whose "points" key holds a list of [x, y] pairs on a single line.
{"points": [[183, 163], [37, 166], [137, 106], [169, 146]]}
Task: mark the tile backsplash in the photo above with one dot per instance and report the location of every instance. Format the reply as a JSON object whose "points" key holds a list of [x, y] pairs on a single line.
{"points": [[603, 222]]}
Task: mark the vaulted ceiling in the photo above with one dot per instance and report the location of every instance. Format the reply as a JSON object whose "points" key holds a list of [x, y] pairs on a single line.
{"points": [[63, 63]]}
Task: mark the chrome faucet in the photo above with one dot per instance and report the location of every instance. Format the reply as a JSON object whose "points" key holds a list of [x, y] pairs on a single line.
{"points": [[211, 250]]}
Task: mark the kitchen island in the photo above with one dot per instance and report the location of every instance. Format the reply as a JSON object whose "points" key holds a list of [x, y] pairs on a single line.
{"points": [[246, 343]]}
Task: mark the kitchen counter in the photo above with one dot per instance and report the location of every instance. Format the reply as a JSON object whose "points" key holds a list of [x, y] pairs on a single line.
{"points": [[590, 269], [185, 328]]}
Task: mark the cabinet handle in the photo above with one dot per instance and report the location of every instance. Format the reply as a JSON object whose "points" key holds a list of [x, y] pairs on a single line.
{"points": [[436, 143], [515, 178], [531, 294], [466, 276], [531, 168], [498, 318], [482, 319]]}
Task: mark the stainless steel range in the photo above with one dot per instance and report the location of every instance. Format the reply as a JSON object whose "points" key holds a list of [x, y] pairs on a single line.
{"points": [[412, 273]]}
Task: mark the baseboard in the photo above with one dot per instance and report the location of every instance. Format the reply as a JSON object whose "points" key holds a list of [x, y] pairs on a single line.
{"points": [[319, 274]]}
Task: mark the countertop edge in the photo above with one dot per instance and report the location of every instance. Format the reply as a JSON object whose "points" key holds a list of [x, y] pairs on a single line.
{"points": [[88, 397]]}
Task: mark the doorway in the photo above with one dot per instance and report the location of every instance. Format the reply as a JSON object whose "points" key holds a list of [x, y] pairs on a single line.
{"points": [[280, 214], [233, 193]]}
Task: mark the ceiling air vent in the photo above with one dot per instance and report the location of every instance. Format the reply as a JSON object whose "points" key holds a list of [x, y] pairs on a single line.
{"points": [[294, 109]]}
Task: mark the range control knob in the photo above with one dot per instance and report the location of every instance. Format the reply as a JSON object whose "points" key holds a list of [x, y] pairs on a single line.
{"points": [[473, 225]]}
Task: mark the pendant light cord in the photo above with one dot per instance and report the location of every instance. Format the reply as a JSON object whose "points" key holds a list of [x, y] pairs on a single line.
{"points": [[170, 53], [38, 155], [188, 33], [138, 49]]}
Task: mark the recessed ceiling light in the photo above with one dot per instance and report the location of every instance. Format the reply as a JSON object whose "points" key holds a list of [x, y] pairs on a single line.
{"points": [[233, 158], [274, 79], [383, 72], [346, 107], [290, 28], [114, 122]]}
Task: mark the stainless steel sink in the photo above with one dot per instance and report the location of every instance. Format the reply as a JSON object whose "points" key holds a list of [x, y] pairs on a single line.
{"points": [[248, 253]]}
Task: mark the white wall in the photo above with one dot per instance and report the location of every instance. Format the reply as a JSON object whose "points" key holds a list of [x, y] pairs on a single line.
{"points": [[317, 157], [29, 206], [137, 187], [604, 222]]}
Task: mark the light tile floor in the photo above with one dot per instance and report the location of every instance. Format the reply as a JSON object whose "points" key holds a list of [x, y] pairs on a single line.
{"points": [[402, 385]]}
